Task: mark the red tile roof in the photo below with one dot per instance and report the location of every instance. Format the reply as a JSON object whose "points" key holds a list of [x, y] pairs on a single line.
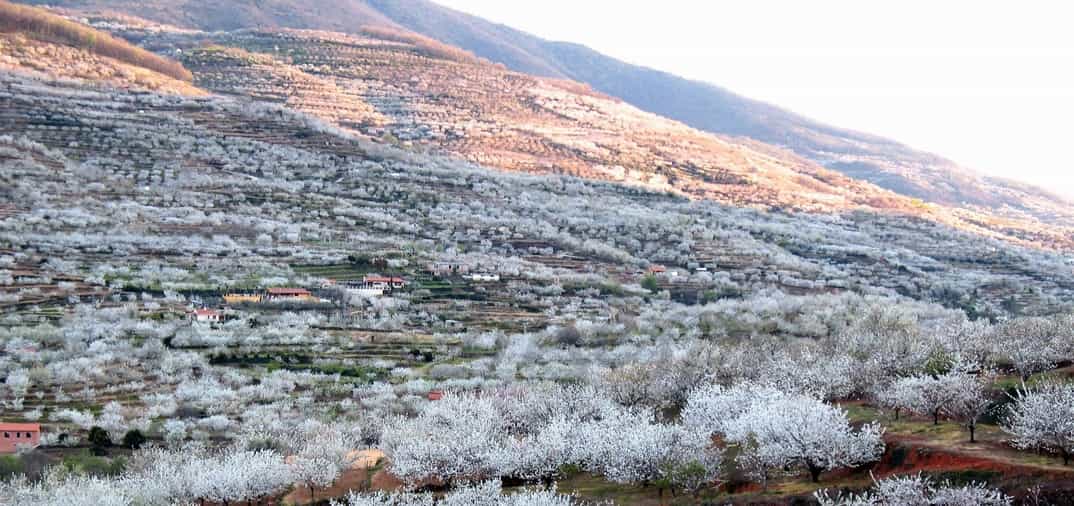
{"points": [[20, 427], [206, 312]]}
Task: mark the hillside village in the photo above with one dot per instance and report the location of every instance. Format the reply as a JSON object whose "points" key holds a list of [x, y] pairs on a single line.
{"points": [[314, 278]]}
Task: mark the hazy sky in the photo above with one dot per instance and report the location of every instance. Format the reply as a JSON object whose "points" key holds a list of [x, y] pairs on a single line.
{"points": [[988, 84]]}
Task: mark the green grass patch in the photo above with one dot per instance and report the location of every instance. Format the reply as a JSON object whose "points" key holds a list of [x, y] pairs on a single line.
{"points": [[85, 463], [10, 465], [335, 271], [862, 413]]}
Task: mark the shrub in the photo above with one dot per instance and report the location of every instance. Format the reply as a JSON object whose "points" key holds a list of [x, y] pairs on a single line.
{"points": [[9, 466], [133, 439], [650, 283], [569, 336], [99, 437], [93, 465]]}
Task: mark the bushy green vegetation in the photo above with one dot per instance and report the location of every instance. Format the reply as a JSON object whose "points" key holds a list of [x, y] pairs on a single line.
{"points": [[10, 465], [86, 463]]}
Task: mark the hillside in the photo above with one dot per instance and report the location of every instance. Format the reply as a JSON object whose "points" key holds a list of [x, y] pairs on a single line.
{"points": [[44, 26], [409, 93], [35, 40], [405, 89], [371, 263], [704, 106], [410, 103]]}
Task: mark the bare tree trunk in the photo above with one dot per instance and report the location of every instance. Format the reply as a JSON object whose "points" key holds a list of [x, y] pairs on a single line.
{"points": [[548, 481]]}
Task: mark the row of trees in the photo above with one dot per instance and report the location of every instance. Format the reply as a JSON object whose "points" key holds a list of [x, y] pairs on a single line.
{"points": [[777, 432], [917, 491], [258, 466], [487, 493], [961, 394], [533, 432], [533, 435]]}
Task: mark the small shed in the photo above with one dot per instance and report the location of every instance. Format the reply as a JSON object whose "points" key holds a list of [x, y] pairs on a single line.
{"points": [[483, 276], [13, 435], [206, 316], [384, 281]]}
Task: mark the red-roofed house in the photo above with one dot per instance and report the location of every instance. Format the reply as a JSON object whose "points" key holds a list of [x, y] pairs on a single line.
{"points": [[13, 435], [206, 315], [657, 269]]}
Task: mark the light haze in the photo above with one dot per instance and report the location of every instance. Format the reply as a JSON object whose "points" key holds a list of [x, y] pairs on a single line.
{"points": [[987, 84]]}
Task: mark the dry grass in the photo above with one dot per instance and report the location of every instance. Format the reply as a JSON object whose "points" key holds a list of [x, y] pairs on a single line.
{"points": [[20, 53], [430, 47], [42, 25]]}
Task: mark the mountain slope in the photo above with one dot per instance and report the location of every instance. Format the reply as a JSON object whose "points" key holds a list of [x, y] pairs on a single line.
{"points": [[44, 26], [399, 92], [403, 90], [210, 192], [887, 163], [40, 41], [343, 15]]}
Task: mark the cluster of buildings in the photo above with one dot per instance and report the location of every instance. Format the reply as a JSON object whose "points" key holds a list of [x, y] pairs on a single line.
{"points": [[370, 285], [445, 269], [665, 272], [271, 295]]}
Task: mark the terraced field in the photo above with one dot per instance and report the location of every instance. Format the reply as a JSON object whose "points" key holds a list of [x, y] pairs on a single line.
{"points": [[400, 93]]}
